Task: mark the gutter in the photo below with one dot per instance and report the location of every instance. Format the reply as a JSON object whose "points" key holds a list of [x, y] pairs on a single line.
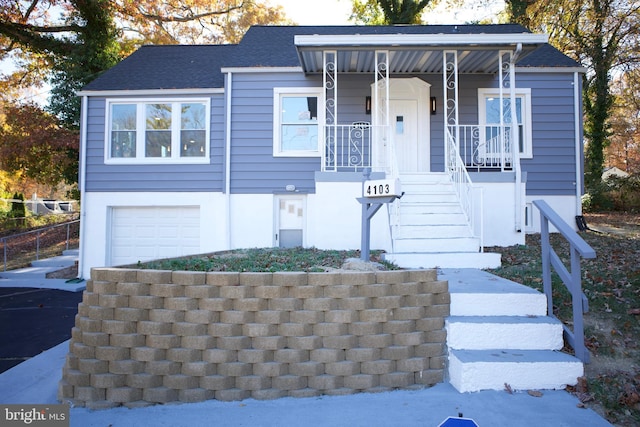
{"points": [[82, 180], [578, 145], [227, 166]]}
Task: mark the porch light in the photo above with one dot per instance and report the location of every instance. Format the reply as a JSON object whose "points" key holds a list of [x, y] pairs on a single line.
{"points": [[433, 105], [367, 105]]}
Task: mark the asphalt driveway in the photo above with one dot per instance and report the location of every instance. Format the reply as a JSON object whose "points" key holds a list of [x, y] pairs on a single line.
{"points": [[34, 320]]}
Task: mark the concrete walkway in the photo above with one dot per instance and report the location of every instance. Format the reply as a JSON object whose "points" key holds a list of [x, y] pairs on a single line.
{"points": [[35, 276]]}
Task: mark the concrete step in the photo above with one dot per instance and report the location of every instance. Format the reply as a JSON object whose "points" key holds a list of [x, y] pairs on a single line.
{"points": [[429, 218], [425, 231], [429, 208], [504, 332], [424, 178], [442, 245], [73, 252], [475, 370], [431, 197], [41, 283], [476, 260], [59, 261], [479, 293]]}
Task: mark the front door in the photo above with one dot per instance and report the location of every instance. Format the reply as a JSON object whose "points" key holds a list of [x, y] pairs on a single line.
{"points": [[404, 126]]}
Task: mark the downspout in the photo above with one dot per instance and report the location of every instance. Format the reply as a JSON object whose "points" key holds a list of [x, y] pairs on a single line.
{"points": [[227, 168], [515, 138], [82, 180], [576, 115]]}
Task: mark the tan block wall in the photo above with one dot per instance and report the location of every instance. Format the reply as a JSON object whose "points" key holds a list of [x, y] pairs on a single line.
{"points": [[145, 337]]}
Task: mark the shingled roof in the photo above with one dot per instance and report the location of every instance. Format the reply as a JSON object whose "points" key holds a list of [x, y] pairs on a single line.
{"points": [[199, 66]]}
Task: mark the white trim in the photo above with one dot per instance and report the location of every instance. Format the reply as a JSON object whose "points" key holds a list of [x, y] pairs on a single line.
{"points": [[139, 159], [578, 146], [420, 39], [262, 70], [278, 93], [82, 181], [525, 94], [582, 70], [227, 172], [152, 92]]}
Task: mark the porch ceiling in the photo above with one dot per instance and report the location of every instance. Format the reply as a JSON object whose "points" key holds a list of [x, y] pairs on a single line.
{"points": [[356, 54]]}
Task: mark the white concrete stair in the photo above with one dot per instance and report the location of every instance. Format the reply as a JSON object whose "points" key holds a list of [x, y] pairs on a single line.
{"points": [[432, 229], [498, 333]]}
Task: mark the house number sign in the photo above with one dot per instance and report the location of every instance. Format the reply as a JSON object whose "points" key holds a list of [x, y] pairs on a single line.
{"points": [[382, 188]]}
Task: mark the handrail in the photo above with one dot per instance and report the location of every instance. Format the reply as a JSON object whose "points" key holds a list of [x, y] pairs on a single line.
{"points": [[462, 183], [572, 280], [37, 233]]}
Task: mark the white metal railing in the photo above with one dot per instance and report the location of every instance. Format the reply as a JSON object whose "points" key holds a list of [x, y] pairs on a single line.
{"points": [[485, 147], [457, 171], [348, 147]]}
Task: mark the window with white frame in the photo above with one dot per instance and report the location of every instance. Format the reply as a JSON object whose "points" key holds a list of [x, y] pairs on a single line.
{"points": [[298, 115], [157, 131], [489, 115]]}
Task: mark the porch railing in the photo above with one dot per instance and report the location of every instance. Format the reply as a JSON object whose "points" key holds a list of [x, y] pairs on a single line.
{"points": [[349, 147], [571, 279], [484, 147], [457, 171]]}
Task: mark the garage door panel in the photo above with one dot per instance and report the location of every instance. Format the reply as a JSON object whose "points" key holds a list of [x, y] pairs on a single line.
{"points": [[148, 233]]}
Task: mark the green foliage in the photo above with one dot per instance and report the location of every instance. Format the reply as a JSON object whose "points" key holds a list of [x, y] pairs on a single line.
{"points": [[17, 207], [614, 194], [388, 12]]}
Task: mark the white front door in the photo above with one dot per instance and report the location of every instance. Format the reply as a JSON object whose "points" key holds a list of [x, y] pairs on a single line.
{"points": [[404, 127], [290, 221]]}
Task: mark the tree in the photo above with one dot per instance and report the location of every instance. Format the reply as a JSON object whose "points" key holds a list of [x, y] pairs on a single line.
{"points": [[624, 147], [388, 12], [33, 142], [602, 35]]}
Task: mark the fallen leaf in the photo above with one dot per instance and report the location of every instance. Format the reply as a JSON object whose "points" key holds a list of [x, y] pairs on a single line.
{"points": [[635, 311], [534, 393], [507, 388]]}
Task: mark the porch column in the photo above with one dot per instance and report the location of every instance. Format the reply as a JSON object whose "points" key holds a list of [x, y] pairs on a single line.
{"points": [[507, 79], [450, 96], [381, 117], [330, 85]]}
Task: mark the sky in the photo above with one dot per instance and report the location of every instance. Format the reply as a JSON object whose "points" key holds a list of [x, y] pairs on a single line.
{"points": [[336, 12]]}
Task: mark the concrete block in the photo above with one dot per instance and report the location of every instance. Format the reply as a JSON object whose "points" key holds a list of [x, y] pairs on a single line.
{"points": [[195, 395], [304, 343], [343, 368], [340, 342], [253, 382], [320, 304], [269, 394], [255, 279], [444, 298], [289, 382], [342, 391], [124, 394], [324, 279], [114, 274], [268, 292], [289, 278], [290, 355], [146, 302], [430, 349], [398, 352], [362, 382], [409, 338], [184, 355], [259, 330], [413, 364], [330, 329], [65, 391], [423, 300], [160, 395], [237, 317], [83, 351], [153, 276], [305, 292], [250, 304], [327, 355], [166, 315], [306, 369], [83, 310], [199, 342], [341, 316], [374, 290], [77, 334], [232, 395], [397, 379], [203, 317], [268, 343], [325, 382], [270, 369], [365, 328], [95, 339], [77, 378], [89, 394], [109, 353], [391, 277], [406, 288], [154, 328], [88, 325], [309, 317], [163, 368], [363, 354], [294, 330], [389, 302], [354, 303], [375, 315], [147, 354], [438, 362], [126, 367], [132, 288], [100, 405], [166, 290], [128, 314], [435, 287], [408, 313], [235, 292], [71, 361], [91, 298], [198, 369], [429, 377], [430, 324], [215, 304], [428, 275], [442, 310], [118, 327], [375, 341], [144, 380], [255, 356], [163, 341], [285, 304], [201, 291], [100, 313], [356, 278], [113, 301], [223, 279], [107, 380], [273, 317], [138, 404], [181, 303], [233, 343], [398, 326], [102, 287], [183, 329], [188, 278], [217, 382], [181, 382], [234, 369], [217, 355]]}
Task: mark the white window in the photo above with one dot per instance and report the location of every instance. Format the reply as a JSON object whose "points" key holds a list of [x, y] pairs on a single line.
{"points": [[489, 115], [298, 116], [157, 131]]}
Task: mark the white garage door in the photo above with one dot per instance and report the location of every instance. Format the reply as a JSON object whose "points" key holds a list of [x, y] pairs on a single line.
{"points": [[148, 233]]}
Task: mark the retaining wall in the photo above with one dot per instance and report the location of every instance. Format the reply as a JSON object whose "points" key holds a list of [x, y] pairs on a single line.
{"points": [[146, 336]]}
